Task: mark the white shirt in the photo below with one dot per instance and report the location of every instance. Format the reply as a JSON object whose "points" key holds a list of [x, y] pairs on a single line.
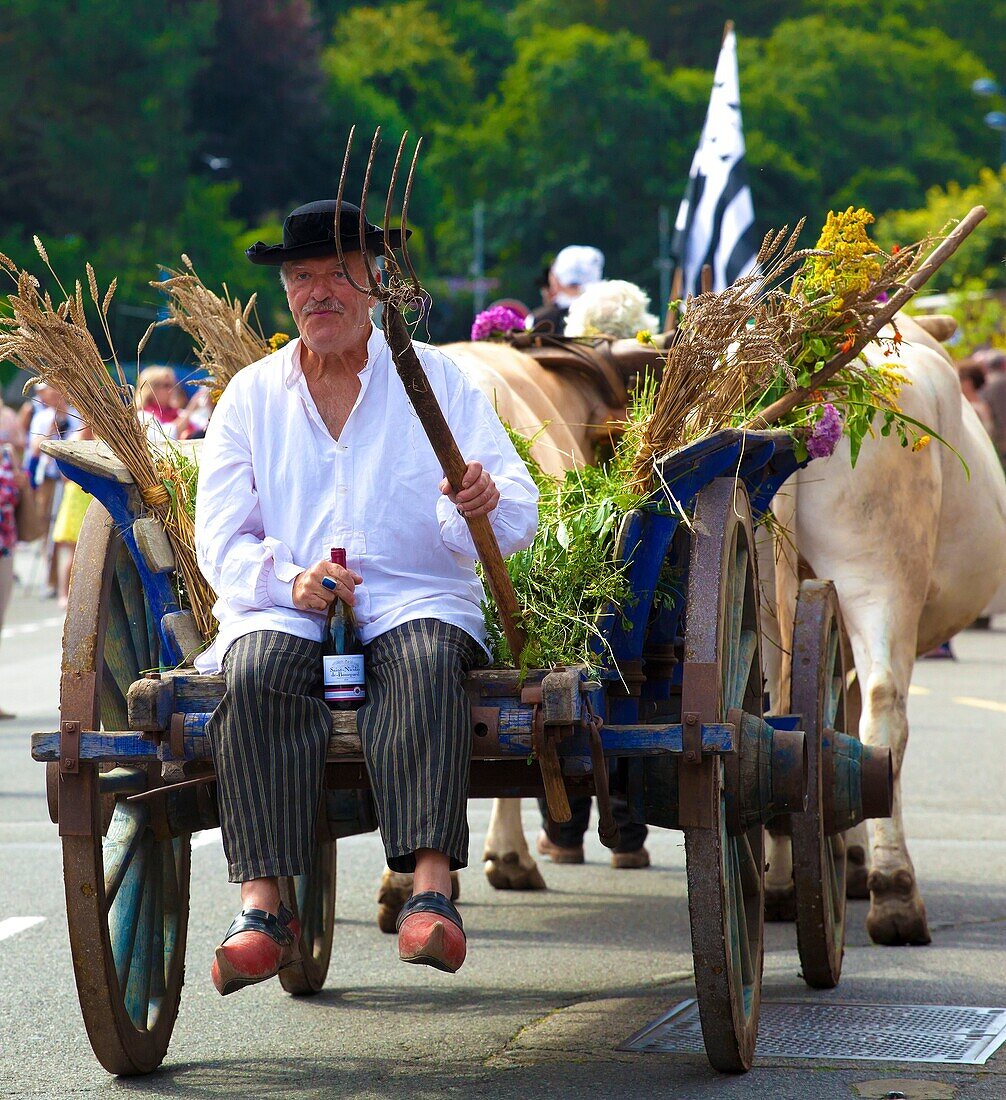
{"points": [[277, 492]]}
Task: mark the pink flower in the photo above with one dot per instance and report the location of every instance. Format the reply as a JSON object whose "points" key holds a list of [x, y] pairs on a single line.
{"points": [[826, 434], [496, 319]]}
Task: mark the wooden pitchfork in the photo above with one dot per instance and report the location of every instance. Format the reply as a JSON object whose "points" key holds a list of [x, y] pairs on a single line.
{"points": [[396, 292]]}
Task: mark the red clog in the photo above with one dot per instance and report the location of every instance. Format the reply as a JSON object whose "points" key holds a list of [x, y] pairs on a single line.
{"points": [[431, 932], [256, 947]]}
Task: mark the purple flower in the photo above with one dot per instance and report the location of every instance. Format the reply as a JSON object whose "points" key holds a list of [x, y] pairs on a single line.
{"points": [[495, 319], [826, 434]]}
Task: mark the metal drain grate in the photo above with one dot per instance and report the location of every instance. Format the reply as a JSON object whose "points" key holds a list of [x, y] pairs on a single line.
{"points": [[804, 1029]]}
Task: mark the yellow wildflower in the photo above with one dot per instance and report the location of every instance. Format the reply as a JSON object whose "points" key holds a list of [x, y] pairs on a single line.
{"points": [[920, 442], [850, 263], [277, 340]]}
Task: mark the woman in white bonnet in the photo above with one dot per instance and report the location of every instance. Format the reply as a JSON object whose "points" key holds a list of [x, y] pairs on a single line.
{"points": [[575, 268]]}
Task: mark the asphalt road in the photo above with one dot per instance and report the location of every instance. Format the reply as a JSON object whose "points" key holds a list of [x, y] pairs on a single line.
{"points": [[555, 980]]}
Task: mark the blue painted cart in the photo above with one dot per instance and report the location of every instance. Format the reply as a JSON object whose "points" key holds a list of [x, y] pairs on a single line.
{"points": [[676, 721]]}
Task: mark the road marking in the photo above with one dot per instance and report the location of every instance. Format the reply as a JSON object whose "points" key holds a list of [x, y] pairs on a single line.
{"points": [[918, 689], [14, 925], [981, 704], [207, 836], [32, 628]]}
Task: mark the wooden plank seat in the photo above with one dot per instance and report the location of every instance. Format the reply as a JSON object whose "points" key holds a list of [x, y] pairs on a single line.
{"points": [[168, 712]]}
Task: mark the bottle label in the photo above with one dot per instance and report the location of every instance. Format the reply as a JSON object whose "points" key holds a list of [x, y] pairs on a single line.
{"points": [[344, 670]]}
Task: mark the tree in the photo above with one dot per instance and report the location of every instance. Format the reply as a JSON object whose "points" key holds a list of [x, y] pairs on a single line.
{"points": [[94, 115], [258, 103], [582, 144], [684, 33], [980, 27], [406, 54], [980, 262], [835, 118]]}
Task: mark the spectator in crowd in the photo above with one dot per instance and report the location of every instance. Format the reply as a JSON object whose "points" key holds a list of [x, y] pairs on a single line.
{"points": [[156, 399], [993, 362], [66, 527], [14, 485], [197, 414], [572, 271], [52, 418], [13, 433], [972, 378]]}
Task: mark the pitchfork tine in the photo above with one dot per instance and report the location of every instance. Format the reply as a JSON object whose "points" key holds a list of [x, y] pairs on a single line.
{"points": [[338, 216], [391, 192], [372, 279], [405, 215]]}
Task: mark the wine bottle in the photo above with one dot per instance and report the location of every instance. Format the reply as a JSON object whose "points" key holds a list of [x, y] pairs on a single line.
{"points": [[342, 652]]}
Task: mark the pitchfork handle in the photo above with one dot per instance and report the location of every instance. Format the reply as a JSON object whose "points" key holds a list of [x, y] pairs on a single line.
{"points": [[424, 401]]}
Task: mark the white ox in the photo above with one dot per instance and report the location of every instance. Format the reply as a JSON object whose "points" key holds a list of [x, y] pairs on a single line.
{"points": [[915, 551]]}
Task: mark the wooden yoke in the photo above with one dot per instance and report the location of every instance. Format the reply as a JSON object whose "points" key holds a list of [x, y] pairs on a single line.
{"points": [[396, 293]]}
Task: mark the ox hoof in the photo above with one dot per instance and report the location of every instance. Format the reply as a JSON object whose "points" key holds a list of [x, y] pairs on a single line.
{"points": [[780, 903], [857, 884], [507, 873], [395, 891], [897, 914]]}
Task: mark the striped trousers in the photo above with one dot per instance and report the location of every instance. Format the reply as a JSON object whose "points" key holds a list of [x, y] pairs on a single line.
{"points": [[269, 738]]}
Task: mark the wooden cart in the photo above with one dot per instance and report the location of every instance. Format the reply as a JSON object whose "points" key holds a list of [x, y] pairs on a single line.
{"points": [[677, 720]]}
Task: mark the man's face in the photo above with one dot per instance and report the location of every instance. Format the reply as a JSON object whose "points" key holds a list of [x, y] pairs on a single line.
{"points": [[328, 312]]}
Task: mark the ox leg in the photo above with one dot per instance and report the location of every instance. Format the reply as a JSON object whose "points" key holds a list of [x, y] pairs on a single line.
{"points": [[857, 839], [779, 585], [509, 863], [780, 893], [857, 842], [395, 891], [897, 913]]}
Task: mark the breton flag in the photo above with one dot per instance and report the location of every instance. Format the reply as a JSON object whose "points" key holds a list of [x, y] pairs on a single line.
{"points": [[715, 223]]}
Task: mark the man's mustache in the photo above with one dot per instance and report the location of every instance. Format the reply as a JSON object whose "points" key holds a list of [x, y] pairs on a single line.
{"points": [[330, 305]]}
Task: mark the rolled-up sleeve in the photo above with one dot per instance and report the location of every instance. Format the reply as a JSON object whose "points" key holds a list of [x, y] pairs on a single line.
{"points": [[482, 438], [246, 568]]}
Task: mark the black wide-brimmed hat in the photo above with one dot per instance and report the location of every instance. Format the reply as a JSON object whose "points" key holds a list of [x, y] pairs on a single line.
{"points": [[309, 231]]}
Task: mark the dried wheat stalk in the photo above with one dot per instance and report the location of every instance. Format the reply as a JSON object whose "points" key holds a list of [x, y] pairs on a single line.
{"points": [[731, 345], [52, 342], [221, 329]]}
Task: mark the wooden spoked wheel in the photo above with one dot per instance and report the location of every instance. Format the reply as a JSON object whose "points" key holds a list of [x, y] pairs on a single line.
{"points": [[819, 860], [726, 873], [312, 898], [126, 881]]}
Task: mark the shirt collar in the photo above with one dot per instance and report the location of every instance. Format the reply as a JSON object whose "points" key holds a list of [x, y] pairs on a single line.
{"points": [[292, 373]]}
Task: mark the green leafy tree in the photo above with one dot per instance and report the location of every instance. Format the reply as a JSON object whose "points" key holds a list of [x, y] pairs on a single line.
{"points": [[482, 32], [980, 27], [876, 117], [94, 113], [581, 144], [407, 55], [204, 229], [259, 104], [679, 32], [980, 262]]}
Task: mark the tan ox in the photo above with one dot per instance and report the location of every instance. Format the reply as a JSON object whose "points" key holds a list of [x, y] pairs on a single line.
{"points": [[546, 406]]}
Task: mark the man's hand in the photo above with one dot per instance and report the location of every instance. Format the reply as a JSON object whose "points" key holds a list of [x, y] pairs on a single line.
{"points": [[478, 495], [312, 593]]}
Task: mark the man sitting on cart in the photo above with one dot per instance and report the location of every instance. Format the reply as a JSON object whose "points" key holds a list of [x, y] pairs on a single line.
{"points": [[312, 447]]}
